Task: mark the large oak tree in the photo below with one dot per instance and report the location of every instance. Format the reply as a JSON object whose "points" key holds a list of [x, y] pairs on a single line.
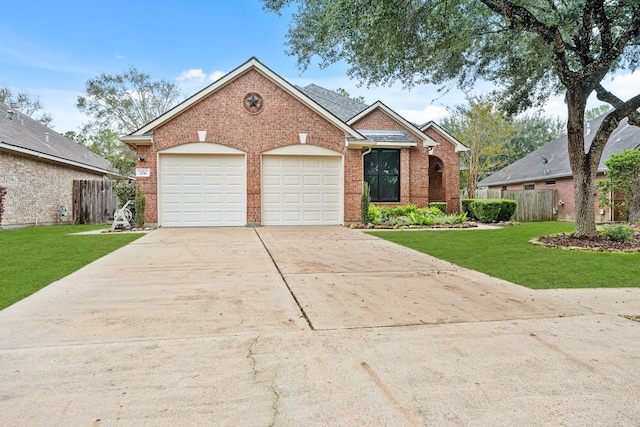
{"points": [[528, 49]]}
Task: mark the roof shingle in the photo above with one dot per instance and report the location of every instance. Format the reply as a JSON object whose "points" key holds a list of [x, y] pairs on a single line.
{"points": [[24, 133]]}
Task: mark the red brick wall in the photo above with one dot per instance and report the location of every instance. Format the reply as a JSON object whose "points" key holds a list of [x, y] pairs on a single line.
{"points": [[446, 151], [226, 121], [353, 177]]}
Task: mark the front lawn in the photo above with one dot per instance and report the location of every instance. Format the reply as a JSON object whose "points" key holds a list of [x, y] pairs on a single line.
{"points": [[31, 258], [506, 253]]}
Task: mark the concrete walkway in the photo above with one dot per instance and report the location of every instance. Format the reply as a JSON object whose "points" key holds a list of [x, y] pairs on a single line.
{"points": [[311, 326]]}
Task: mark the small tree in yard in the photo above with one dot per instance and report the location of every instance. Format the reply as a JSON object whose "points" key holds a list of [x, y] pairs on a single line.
{"points": [[485, 130], [621, 188]]}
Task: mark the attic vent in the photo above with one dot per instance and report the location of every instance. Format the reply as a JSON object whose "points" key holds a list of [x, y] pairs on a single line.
{"points": [[14, 106], [9, 115], [587, 131], [46, 138]]}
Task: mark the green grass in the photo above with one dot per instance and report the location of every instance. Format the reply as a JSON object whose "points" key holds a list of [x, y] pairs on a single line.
{"points": [[506, 253], [31, 258]]}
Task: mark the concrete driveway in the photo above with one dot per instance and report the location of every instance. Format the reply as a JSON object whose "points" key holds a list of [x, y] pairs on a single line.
{"points": [[311, 326]]}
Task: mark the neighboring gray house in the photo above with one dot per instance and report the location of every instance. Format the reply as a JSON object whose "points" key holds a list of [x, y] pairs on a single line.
{"points": [[548, 168], [38, 167]]}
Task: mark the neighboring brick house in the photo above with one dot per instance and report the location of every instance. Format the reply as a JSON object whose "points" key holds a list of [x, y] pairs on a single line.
{"points": [[38, 167], [548, 168], [253, 149]]}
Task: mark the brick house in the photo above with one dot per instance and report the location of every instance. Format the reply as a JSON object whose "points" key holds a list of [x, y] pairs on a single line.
{"points": [[548, 168], [38, 167], [253, 149]]}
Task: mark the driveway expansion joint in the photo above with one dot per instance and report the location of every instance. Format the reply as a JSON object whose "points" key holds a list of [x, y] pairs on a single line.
{"points": [[293, 295]]}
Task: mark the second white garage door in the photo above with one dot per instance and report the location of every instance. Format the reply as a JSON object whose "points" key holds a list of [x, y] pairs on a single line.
{"points": [[301, 190], [202, 190]]}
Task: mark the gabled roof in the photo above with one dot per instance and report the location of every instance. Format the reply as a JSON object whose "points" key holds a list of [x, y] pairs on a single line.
{"points": [[21, 134], [427, 141], [433, 125], [340, 106], [552, 160], [143, 135]]}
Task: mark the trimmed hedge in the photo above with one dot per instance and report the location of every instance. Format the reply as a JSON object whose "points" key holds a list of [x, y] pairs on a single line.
{"points": [[486, 210], [466, 208], [508, 209], [489, 210], [442, 206]]}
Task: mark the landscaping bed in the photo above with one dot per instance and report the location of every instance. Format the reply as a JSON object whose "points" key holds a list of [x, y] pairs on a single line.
{"points": [[598, 244]]}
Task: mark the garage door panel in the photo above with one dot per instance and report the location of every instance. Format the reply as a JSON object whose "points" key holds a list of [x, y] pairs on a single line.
{"points": [[291, 180], [301, 190], [291, 198], [311, 198], [202, 190], [236, 180], [331, 199], [291, 162]]}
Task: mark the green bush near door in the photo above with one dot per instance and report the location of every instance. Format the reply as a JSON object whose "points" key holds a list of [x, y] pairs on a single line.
{"points": [[442, 206], [489, 210]]}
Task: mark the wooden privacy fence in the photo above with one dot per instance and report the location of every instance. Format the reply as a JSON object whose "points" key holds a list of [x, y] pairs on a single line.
{"points": [[533, 205], [93, 202]]}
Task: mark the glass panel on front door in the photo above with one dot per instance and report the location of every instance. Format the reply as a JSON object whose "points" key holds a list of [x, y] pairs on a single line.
{"points": [[382, 172]]}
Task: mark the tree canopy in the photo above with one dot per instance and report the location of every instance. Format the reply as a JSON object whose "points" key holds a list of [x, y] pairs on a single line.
{"points": [[29, 104], [487, 132], [528, 50], [121, 103], [126, 102]]}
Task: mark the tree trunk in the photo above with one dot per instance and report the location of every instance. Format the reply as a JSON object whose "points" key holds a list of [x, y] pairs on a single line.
{"points": [[581, 164], [583, 192]]}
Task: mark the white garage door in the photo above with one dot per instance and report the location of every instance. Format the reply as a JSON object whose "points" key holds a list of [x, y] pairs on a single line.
{"points": [[202, 190], [301, 190]]}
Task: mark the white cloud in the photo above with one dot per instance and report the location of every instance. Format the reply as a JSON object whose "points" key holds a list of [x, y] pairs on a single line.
{"points": [[192, 75], [431, 112]]}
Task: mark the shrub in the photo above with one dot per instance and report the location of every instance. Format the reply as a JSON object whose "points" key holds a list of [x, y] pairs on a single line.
{"points": [[619, 233], [375, 215], [468, 208], [486, 210], [442, 206], [3, 192], [125, 191], [507, 209], [412, 215], [140, 203], [365, 200], [403, 210]]}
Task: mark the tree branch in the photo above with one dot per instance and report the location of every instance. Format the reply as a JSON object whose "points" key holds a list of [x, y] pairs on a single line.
{"points": [[622, 108], [523, 18]]}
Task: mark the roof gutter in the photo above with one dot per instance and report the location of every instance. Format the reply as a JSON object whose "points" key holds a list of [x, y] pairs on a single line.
{"points": [[49, 157]]}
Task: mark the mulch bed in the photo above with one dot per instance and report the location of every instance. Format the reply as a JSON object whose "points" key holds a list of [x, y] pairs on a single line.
{"points": [[600, 244]]}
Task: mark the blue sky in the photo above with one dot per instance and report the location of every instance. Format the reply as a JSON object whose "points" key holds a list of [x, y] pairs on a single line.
{"points": [[51, 49]]}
